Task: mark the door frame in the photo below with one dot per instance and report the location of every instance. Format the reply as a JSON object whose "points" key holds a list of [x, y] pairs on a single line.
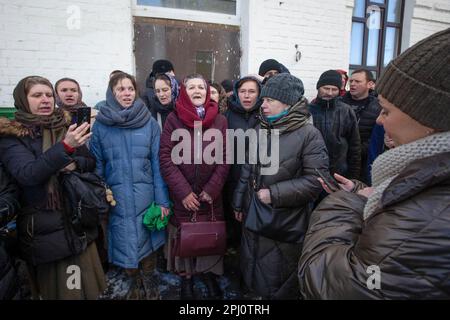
{"points": [[187, 15]]}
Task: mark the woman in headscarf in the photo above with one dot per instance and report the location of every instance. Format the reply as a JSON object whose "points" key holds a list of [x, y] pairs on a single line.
{"points": [[392, 241], [69, 97], [166, 91], [243, 112], [269, 259], [219, 95], [194, 187], [125, 143], [35, 148]]}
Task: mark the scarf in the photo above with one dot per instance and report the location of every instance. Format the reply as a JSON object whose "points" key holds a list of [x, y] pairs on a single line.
{"points": [[390, 164], [53, 129], [297, 116], [187, 112], [71, 109], [114, 115]]}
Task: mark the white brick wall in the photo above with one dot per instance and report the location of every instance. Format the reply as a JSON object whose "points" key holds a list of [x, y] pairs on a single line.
{"points": [[430, 16], [35, 39], [320, 28]]}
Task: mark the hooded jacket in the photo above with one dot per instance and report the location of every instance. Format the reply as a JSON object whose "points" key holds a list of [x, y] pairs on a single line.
{"points": [[240, 118]]}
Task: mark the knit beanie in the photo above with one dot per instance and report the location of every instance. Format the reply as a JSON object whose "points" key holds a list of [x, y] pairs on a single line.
{"points": [[330, 78], [418, 81], [285, 88], [227, 85], [162, 66], [270, 64]]}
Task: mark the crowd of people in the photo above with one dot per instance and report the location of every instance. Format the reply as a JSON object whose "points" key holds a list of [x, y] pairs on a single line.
{"points": [[362, 181]]}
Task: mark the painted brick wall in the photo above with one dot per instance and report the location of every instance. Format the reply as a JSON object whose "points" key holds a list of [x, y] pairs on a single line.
{"points": [[320, 28], [430, 16], [42, 38], [35, 38]]}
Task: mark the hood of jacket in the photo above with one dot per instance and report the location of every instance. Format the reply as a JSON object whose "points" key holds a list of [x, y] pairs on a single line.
{"points": [[234, 101]]}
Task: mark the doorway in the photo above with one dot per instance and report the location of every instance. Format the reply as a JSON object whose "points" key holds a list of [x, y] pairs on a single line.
{"points": [[213, 50]]}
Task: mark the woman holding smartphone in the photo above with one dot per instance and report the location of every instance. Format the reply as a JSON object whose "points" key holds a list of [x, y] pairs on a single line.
{"points": [[125, 143], [35, 148], [391, 241], [70, 98]]}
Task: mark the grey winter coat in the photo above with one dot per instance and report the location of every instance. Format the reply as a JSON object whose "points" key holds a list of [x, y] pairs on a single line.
{"points": [[268, 266]]}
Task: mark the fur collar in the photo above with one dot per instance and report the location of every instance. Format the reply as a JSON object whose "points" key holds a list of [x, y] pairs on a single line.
{"points": [[13, 128]]}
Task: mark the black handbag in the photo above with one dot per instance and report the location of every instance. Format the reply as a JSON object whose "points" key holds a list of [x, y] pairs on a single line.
{"points": [[85, 198], [269, 222]]}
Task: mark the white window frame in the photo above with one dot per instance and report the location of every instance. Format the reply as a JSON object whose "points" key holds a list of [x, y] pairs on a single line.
{"points": [[187, 15]]}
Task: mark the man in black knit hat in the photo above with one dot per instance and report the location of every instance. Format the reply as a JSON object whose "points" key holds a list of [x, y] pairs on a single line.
{"points": [[337, 123], [271, 67]]}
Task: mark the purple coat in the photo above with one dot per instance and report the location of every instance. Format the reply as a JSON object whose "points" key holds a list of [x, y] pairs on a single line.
{"points": [[185, 178]]}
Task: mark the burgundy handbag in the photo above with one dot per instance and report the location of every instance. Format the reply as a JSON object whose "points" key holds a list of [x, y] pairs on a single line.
{"points": [[202, 238]]}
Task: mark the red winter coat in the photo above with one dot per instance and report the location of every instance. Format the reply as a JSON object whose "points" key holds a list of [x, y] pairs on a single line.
{"points": [[184, 178]]}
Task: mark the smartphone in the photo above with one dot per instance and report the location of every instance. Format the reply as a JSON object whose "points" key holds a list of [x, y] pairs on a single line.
{"points": [[329, 180], [83, 115]]}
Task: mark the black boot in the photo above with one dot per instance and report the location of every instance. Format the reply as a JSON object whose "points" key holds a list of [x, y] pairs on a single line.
{"points": [[187, 289], [212, 286]]}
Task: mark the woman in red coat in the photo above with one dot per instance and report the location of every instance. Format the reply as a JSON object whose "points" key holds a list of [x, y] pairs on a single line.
{"points": [[194, 185]]}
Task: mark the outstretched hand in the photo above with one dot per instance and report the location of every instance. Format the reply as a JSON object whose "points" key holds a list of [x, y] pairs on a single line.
{"points": [[344, 183]]}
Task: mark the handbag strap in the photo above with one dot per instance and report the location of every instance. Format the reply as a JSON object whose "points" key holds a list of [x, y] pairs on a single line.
{"points": [[213, 215]]}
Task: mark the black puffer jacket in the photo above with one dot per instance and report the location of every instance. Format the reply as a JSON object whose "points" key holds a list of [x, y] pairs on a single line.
{"points": [[268, 266], [240, 118], [43, 233], [158, 111], [337, 123], [366, 115], [8, 206], [407, 239]]}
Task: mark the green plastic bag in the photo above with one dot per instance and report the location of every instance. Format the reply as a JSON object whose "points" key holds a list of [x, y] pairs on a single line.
{"points": [[152, 218]]}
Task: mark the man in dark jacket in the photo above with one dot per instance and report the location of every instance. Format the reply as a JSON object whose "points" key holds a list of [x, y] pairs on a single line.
{"points": [[337, 123], [8, 207], [367, 109]]}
